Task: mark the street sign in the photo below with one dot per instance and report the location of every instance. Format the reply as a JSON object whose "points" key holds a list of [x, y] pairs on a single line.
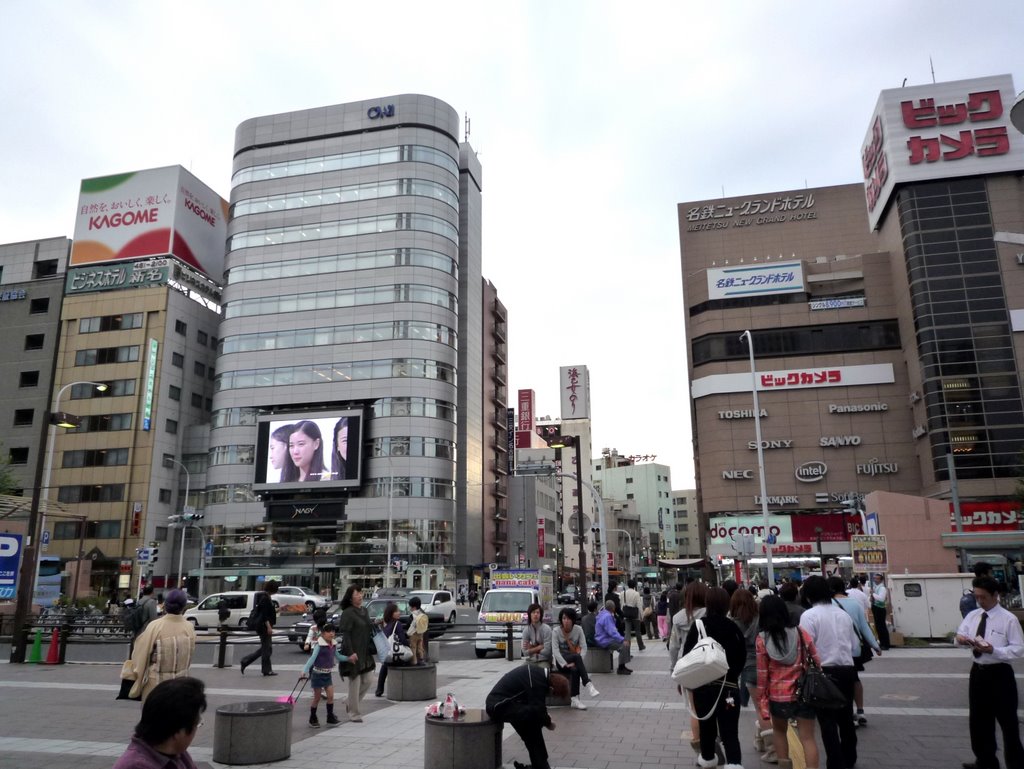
{"points": [[143, 554], [541, 468], [869, 552], [209, 549], [10, 560]]}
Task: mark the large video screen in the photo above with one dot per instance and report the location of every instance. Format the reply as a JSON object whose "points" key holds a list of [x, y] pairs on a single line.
{"points": [[307, 451]]}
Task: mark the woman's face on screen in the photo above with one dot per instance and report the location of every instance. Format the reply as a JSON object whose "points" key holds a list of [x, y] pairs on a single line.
{"points": [[302, 448], [278, 453]]}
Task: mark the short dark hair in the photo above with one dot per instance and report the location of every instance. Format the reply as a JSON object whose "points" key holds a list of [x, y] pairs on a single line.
{"points": [[836, 585], [171, 707], [147, 590], [346, 600], [567, 612], [631, 584], [788, 592], [532, 608], [816, 590], [986, 583], [592, 606], [415, 602], [730, 586], [716, 604], [329, 627], [270, 586], [982, 569], [854, 581]]}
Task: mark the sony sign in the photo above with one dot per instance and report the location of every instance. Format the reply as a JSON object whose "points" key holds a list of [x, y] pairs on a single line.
{"points": [[777, 444]]}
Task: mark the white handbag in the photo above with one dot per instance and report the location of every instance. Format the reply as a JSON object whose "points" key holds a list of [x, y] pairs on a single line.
{"points": [[703, 664]]}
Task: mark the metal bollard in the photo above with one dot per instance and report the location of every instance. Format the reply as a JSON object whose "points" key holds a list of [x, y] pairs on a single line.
{"points": [[508, 641], [65, 631], [223, 646]]}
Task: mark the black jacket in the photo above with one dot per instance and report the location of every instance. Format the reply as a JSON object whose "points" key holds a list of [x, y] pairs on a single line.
{"points": [[727, 633], [520, 694], [267, 611]]}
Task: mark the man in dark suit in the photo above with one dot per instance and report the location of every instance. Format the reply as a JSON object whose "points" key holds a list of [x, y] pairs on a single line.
{"points": [[519, 699]]}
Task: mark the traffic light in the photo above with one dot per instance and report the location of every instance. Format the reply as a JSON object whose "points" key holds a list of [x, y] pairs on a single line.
{"points": [[153, 553], [552, 435], [191, 516]]}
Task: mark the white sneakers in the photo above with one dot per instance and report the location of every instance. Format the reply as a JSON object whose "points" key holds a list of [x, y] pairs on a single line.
{"points": [[576, 704], [592, 690]]}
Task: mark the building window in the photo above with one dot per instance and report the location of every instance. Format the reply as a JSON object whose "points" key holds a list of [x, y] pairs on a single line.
{"points": [[115, 387], [197, 400], [44, 268], [23, 417], [113, 492], [39, 306], [202, 338], [181, 327], [34, 341], [171, 426], [177, 360], [629, 496], [101, 355], [103, 529], [66, 530], [174, 392], [28, 379], [19, 455], [199, 369], [213, 342], [95, 458], [123, 322], [165, 496], [629, 480]]}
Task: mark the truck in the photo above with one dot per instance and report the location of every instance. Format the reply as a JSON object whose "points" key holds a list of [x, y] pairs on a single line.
{"points": [[511, 594]]}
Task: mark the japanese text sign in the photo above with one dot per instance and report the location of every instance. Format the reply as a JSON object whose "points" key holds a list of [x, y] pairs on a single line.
{"points": [[870, 553], [10, 562], [756, 279]]}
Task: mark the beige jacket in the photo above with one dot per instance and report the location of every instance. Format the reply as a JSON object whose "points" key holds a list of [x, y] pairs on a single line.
{"points": [[163, 651]]}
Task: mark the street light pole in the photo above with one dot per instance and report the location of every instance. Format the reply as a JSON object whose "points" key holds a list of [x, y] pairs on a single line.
{"points": [[629, 539], [184, 523], [760, 458], [36, 522]]}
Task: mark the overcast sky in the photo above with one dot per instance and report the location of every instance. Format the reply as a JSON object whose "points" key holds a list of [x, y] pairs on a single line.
{"points": [[592, 121]]}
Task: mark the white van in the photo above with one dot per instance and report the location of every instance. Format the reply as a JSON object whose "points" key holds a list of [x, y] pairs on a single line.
{"points": [[239, 603], [499, 607]]}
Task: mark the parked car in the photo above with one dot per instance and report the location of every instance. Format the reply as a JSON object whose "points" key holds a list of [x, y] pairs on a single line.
{"points": [[375, 608], [311, 600], [239, 603], [438, 604]]}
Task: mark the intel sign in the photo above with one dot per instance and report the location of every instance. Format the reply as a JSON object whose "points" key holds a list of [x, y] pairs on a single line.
{"points": [[809, 472]]}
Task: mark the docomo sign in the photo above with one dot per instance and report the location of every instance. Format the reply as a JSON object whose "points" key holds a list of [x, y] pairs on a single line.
{"points": [[724, 529]]}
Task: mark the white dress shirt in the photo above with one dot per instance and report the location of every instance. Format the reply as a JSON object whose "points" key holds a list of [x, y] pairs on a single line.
{"points": [[1002, 630], [832, 631], [879, 592]]}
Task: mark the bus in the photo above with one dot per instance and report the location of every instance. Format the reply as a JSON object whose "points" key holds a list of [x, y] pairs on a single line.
{"points": [[48, 585]]}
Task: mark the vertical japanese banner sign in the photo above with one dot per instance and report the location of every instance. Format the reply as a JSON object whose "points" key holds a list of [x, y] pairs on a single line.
{"points": [[10, 560], [540, 538], [147, 409]]}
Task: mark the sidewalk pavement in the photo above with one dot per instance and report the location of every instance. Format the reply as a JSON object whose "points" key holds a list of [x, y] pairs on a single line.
{"points": [[917, 707]]}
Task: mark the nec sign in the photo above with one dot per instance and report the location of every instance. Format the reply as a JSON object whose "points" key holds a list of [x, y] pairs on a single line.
{"points": [[737, 475]]}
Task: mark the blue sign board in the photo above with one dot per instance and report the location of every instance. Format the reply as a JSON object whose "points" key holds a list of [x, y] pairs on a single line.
{"points": [[10, 561]]}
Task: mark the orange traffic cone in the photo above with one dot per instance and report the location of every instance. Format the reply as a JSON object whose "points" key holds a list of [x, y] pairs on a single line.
{"points": [[53, 653]]}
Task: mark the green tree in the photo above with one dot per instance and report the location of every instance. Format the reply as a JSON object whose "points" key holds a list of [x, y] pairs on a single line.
{"points": [[8, 483]]}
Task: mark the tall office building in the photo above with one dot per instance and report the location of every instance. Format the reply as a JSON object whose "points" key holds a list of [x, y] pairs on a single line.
{"points": [[133, 373], [353, 335], [31, 288], [886, 324]]}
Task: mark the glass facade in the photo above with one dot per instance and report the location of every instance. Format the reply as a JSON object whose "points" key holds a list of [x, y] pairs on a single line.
{"points": [[962, 322]]}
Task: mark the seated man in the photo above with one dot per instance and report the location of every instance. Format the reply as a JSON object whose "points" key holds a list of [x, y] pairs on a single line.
{"points": [[589, 623], [171, 716], [519, 699], [607, 636]]}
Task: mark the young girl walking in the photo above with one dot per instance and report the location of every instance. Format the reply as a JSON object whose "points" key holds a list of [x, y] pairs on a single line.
{"points": [[318, 669]]}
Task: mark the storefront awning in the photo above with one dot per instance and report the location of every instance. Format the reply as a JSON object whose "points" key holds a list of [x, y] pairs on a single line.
{"points": [[976, 540]]}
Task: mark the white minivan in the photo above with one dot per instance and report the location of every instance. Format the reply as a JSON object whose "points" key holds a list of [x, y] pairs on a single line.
{"points": [[239, 603], [500, 607]]}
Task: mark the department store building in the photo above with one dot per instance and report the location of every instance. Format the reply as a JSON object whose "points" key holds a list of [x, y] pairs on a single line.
{"points": [[886, 319]]}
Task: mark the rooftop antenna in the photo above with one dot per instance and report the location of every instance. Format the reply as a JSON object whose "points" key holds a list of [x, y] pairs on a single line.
{"points": [[467, 122], [932, 65]]}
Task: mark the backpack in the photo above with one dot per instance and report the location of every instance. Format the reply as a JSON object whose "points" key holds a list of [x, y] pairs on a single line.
{"points": [[133, 618], [967, 603], [255, 616]]}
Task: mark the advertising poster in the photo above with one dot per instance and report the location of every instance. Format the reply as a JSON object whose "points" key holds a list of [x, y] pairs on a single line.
{"points": [[869, 553], [10, 562]]}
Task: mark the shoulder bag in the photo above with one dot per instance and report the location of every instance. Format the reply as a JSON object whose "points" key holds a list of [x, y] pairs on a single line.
{"points": [[382, 644], [399, 651], [814, 688]]}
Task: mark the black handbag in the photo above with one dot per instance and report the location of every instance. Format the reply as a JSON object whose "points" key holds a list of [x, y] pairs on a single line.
{"points": [[630, 612], [814, 688]]}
